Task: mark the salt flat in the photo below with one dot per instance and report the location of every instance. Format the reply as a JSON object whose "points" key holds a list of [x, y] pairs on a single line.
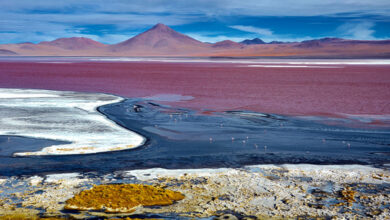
{"points": [[64, 116]]}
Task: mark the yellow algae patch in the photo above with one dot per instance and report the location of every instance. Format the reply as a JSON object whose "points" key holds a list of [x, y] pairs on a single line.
{"points": [[72, 149], [128, 218], [348, 194], [17, 217], [122, 148], [25, 217], [122, 198], [84, 149]]}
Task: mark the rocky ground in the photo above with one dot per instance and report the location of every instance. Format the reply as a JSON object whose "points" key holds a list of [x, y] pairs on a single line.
{"points": [[252, 192]]}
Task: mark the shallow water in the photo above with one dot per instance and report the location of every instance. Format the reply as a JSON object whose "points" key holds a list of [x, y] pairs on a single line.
{"points": [[183, 138], [12, 144], [218, 85]]}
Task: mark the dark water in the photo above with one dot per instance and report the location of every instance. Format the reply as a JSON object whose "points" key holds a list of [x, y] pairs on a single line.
{"points": [[182, 138], [13, 144]]}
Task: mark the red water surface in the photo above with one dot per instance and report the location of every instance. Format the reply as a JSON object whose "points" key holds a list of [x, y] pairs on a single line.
{"points": [[353, 89]]}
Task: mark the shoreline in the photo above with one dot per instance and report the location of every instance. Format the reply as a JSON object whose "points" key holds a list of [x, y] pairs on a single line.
{"points": [[272, 191]]}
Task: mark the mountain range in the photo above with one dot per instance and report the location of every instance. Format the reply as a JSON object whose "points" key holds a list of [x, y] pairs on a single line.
{"points": [[162, 40]]}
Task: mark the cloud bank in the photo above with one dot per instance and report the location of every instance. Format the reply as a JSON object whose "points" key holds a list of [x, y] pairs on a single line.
{"points": [[117, 20]]}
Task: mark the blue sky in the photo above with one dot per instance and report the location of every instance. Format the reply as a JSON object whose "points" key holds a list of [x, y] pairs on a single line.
{"points": [[206, 20]]}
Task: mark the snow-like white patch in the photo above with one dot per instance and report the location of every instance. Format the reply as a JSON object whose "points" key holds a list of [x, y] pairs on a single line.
{"points": [[69, 179], [311, 167], [339, 173], [2, 181], [153, 173], [169, 97], [63, 116], [12, 95], [292, 66], [250, 61], [34, 180], [121, 59], [55, 62], [347, 62], [314, 167], [61, 176]]}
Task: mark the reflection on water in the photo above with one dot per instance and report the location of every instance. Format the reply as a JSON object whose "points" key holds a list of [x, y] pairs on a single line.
{"points": [[182, 138]]}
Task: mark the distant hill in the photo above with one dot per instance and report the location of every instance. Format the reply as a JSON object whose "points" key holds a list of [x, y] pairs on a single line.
{"points": [[277, 42], [161, 40], [324, 42], [7, 52], [253, 41], [227, 44], [74, 43]]}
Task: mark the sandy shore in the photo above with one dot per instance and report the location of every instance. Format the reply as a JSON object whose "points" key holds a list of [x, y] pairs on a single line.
{"points": [[267, 191]]}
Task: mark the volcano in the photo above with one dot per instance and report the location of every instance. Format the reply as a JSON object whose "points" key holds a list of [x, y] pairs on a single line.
{"points": [[160, 39]]}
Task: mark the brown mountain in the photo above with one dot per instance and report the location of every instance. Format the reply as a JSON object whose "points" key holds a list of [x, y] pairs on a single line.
{"points": [[160, 39], [227, 44], [326, 42], [74, 43]]}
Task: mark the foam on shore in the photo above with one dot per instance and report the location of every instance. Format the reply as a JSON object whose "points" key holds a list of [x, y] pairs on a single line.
{"points": [[64, 116]]}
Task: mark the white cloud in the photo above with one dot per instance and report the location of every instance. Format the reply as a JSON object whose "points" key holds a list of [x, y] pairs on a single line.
{"points": [[216, 38], [213, 39], [49, 19], [207, 7], [308, 7], [7, 37], [268, 35], [360, 31], [251, 29]]}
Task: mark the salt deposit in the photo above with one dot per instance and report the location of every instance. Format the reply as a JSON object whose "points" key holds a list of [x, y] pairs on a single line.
{"points": [[63, 116]]}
